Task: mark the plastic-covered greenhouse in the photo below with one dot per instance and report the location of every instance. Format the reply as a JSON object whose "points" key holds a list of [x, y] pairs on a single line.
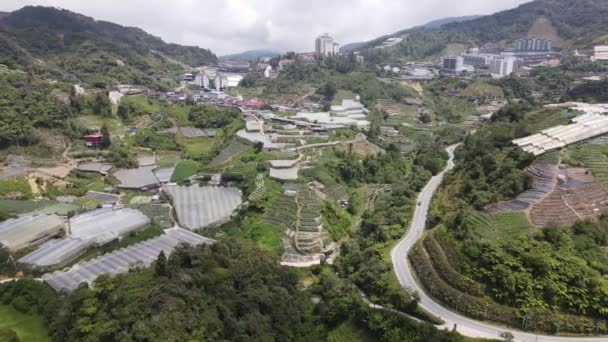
{"points": [[25, 230], [104, 225], [55, 252], [142, 254], [198, 207]]}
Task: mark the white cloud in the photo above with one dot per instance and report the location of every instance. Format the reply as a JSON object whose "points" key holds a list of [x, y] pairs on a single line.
{"points": [[227, 26]]}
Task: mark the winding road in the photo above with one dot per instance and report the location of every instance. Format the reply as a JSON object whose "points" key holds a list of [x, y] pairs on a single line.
{"points": [[466, 326]]}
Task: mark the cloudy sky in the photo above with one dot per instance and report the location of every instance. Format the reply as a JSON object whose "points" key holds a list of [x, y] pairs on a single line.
{"points": [[228, 26]]}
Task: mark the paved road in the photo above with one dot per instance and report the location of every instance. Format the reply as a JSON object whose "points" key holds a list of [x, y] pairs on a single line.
{"points": [[464, 325]]}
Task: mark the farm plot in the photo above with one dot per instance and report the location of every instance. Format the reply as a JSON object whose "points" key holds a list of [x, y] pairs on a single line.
{"points": [[544, 176], [233, 149], [260, 188], [580, 196], [596, 161], [283, 212], [499, 226]]}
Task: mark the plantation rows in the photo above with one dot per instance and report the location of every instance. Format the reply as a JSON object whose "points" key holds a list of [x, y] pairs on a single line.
{"points": [[594, 159], [260, 188], [485, 309], [504, 225], [282, 213], [235, 148]]}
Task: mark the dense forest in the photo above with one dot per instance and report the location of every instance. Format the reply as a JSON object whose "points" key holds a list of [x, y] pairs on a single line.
{"points": [[80, 49]]}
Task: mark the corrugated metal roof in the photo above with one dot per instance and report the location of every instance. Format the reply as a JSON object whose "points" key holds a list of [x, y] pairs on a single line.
{"points": [[198, 207], [18, 233], [104, 225], [284, 174], [139, 178], [143, 253], [54, 252]]}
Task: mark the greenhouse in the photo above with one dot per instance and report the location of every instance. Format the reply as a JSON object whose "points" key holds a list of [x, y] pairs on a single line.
{"points": [[104, 225], [21, 232], [142, 254], [199, 207], [55, 253]]}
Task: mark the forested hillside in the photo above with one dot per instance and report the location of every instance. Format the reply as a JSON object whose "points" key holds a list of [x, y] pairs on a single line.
{"points": [[578, 22], [80, 49]]}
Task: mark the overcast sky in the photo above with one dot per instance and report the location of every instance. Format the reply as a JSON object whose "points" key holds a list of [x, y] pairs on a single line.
{"points": [[228, 26]]}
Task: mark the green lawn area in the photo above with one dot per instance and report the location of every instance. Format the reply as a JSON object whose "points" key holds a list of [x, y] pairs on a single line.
{"points": [[21, 207], [28, 328], [185, 169], [15, 185], [197, 149], [168, 158]]}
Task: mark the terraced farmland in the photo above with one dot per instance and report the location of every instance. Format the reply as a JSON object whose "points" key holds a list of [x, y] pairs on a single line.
{"points": [[300, 214], [579, 196], [499, 226], [544, 175], [260, 188]]}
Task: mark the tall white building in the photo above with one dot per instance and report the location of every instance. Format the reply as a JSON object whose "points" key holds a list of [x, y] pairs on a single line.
{"points": [[325, 45], [600, 53], [504, 66]]}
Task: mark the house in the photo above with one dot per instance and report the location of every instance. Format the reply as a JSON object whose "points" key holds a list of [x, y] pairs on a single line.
{"points": [[93, 139], [251, 104]]}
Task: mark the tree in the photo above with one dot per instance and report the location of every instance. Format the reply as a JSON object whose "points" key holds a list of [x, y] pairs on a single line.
{"points": [[329, 90], [7, 263], [105, 132], [259, 146], [160, 268], [102, 105], [123, 112]]}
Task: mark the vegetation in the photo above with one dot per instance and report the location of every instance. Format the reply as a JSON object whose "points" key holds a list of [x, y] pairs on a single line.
{"points": [[16, 326], [212, 116], [184, 169]]}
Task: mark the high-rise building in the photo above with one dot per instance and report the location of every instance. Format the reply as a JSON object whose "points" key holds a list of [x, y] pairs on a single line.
{"points": [[533, 44], [600, 53], [504, 66], [325, 45], [453, 63]]}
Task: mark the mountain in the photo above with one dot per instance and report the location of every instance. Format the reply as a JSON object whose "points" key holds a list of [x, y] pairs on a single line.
{"points": [[576, 22], [251, 55], [432, 24], [82, 49]]}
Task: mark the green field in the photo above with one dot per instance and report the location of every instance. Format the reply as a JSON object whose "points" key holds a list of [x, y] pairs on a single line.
{"points": [[28, 328], [15, 186], [591, 156], [184, 170], [347, 332], [499, 226]]}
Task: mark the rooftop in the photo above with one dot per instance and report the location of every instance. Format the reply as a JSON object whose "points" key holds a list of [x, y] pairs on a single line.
{"points": [[20, 232], [104, 225]]}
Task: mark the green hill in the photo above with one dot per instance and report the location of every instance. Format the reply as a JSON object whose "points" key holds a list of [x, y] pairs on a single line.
{"points": [[577, 23], [80, 49]]}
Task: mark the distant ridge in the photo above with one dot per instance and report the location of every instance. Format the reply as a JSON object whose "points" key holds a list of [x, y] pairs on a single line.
{"points": [[252, 55], [430, 25]]}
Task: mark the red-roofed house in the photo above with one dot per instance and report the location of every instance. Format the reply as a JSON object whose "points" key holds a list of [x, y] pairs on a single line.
{"points": [[251, 104], [93, 139]]}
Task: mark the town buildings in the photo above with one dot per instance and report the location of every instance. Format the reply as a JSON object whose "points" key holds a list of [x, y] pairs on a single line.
{"points": [[325, 45], [453, 63], [504, 66], [533, 44], [600, 53]]}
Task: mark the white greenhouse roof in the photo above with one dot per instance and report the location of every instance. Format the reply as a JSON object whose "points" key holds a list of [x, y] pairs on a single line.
{"points": [[20, 232], [121, 261], [198, 207], [104, 225], [142, 177], [55, 252], [164, 174], [284, 173]]}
